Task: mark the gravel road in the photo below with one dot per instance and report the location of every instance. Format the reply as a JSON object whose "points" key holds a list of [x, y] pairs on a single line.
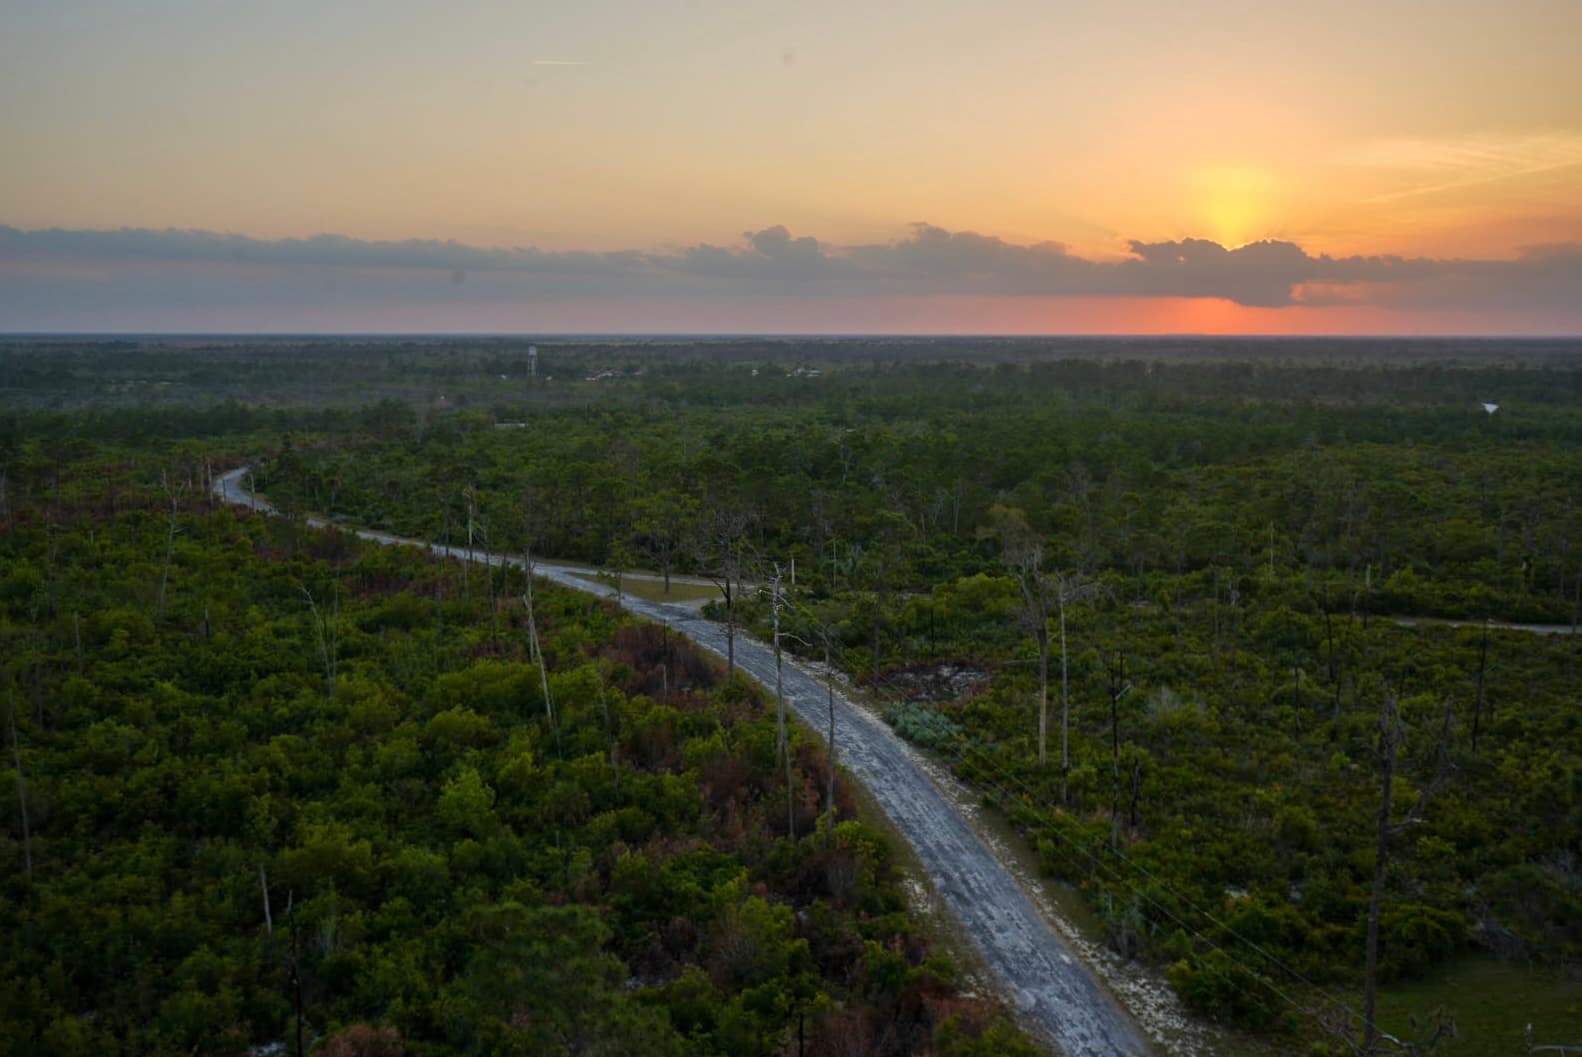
{"points": [[1038, 972]]}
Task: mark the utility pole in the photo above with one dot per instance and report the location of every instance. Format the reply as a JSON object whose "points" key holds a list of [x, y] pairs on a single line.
{"points": [[829, 791], [776, 603]]}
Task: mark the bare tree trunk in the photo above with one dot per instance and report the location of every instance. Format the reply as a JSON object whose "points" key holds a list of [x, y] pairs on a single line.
{"points": [[730, 633], [38, 683], [609, 733], [783, 738], [829, 791], [494, 596], [536, 653], [466, 569], [263, 884], [1065, 702], [1367, 592], [1477, 701], [170, 548], [1118, 689], [1381, 861], [1137, 782], [1329, 634], [1443, 765], [1214, 607], [326, 632], [296, 984], [1043, 697], [720, 553], [1576, 600], [880, 596], [335, 632]]}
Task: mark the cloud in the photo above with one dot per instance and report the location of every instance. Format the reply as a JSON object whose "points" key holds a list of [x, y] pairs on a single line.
{"points": [[148, 268], [1260, 273], [979, 263], [768, 254], [174, 244]]}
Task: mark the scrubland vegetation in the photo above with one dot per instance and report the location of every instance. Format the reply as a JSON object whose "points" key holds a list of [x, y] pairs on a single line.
{"points": [[1181, 591]]}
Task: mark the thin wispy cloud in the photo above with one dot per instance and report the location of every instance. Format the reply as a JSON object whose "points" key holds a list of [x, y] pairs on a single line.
{"points": [[1444, 165]]}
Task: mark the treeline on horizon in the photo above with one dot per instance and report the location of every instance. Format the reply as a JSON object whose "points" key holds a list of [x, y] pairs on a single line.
{"points": [[77, 373]]}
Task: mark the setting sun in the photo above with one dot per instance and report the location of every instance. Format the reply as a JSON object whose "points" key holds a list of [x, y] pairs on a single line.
{"points": [[1232, 205]]}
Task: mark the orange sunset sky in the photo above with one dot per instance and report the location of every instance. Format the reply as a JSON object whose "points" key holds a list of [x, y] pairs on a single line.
{"points": [[796, 166]]}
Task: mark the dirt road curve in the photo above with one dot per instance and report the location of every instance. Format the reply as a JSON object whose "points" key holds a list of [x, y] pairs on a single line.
{"points": [[1038, 972]]}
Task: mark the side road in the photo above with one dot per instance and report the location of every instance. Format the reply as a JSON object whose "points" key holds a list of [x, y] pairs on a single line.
{"points": [[1037, 971]]}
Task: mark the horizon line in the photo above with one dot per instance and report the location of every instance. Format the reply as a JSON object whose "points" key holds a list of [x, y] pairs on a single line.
{"points": [[771, 335]]}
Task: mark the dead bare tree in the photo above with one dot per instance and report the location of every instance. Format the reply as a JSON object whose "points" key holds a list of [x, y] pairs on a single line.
{"points": [[1389, 743], [327, 632], [529, 527], [723, 556], [1037, 593], [1534, 1047], [1023, 554], [1070, 588], [470, 494], [489, 572], [1391, 737], [609, 731], [826, 635], [1119, 688], [1477, 701]]}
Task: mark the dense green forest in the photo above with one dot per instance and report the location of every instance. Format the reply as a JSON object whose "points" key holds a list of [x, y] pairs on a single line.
{"points": [[267, 783], [1238, 547], [1176, 611]]}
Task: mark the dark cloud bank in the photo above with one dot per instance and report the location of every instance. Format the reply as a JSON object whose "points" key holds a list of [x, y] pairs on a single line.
{"points": [[52, 269]]}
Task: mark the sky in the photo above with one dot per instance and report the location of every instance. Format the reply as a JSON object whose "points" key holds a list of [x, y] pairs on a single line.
{"points": [[798, 166]]}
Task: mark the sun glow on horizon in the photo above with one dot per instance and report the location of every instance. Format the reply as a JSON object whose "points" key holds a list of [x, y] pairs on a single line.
{"points": [[1234, 205]]}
